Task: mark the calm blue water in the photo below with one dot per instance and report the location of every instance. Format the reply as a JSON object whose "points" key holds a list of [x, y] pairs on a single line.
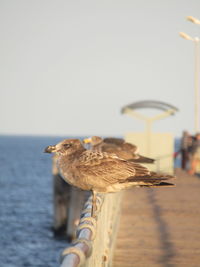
{"points": [[26, 213], [26, 210]]}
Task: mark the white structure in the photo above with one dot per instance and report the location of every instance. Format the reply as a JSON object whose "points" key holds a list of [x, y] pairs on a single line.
{"points": [[156, 145], [196, 42]]}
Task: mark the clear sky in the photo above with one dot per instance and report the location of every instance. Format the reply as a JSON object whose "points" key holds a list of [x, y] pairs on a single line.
{"points": [[68, 66]]}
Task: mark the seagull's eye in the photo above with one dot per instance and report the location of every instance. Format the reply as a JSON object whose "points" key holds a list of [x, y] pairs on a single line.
{"points": [[67, 145]]}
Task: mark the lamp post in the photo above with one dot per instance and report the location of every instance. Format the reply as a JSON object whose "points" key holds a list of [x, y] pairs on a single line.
{"points": [[193, 20], [196, 41]]}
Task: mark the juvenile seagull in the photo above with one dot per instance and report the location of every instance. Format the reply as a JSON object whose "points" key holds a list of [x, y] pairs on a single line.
{"points": [[117, 146], [100, 171]]}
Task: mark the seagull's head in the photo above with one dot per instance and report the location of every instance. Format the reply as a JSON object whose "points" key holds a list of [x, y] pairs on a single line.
{"points": [[94, 140], [65, 147]]}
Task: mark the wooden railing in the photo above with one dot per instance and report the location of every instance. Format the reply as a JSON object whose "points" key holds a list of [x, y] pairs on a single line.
{"points": [[93, 238]]}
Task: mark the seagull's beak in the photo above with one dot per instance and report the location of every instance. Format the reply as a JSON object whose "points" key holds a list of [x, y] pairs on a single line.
{"points": [[87, 140], [50, 149]]}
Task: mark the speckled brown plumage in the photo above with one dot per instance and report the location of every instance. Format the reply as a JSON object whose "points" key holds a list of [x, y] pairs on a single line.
{"points": [[101, 171], [119, 147]]}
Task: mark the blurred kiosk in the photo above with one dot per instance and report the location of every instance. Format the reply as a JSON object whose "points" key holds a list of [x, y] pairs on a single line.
{"points": [[159, 146]]}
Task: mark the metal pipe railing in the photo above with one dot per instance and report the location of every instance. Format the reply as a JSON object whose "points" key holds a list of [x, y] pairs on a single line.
{"points": [[95, 236]]}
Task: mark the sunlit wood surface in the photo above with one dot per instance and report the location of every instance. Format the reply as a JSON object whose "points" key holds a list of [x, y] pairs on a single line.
{"points": [[160, 227]]}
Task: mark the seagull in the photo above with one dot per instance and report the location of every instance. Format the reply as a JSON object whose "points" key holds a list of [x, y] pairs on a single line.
{"points": [[101, 172], [117, 146]]}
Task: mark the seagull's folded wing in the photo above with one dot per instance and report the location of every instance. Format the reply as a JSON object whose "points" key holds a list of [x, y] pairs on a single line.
{"points": [[106, 168]]}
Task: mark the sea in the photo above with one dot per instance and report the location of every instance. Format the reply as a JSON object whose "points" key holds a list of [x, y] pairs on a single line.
{"points": [[26, 203]]}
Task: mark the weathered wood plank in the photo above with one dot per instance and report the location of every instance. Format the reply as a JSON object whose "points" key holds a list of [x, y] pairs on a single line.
{"points": [[160, 227]]}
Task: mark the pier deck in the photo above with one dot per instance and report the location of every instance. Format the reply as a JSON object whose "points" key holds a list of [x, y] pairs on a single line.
{"points": [[160, 227]]}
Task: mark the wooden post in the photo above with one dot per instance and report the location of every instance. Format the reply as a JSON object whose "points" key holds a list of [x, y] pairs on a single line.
{"points": [[68, 203], [77, 199], [61, 199]]}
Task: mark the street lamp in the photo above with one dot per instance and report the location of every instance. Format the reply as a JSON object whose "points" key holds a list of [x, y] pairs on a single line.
{"points": [[196, 41], [193, 20]]}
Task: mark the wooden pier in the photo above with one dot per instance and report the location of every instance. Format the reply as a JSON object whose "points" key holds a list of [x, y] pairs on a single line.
{"points": [[158, 227]]}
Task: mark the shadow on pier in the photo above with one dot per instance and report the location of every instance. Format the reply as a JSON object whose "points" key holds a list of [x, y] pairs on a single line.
{"points": [[166, 245], [160, 227]]}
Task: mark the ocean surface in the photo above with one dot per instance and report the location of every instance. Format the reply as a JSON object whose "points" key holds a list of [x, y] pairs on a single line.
{"points": [[26, 210]]}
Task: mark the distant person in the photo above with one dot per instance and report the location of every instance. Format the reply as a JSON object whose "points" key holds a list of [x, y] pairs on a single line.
{"points": [[195, 154], [185, 144], [191, 144]]}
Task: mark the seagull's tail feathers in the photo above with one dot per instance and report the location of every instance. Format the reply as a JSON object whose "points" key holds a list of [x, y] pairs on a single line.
{"points": [[161, 184], [152, 180], [142, 159]]}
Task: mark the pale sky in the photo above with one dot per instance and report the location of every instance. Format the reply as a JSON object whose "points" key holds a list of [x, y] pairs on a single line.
{"points": [[68, 66]]}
